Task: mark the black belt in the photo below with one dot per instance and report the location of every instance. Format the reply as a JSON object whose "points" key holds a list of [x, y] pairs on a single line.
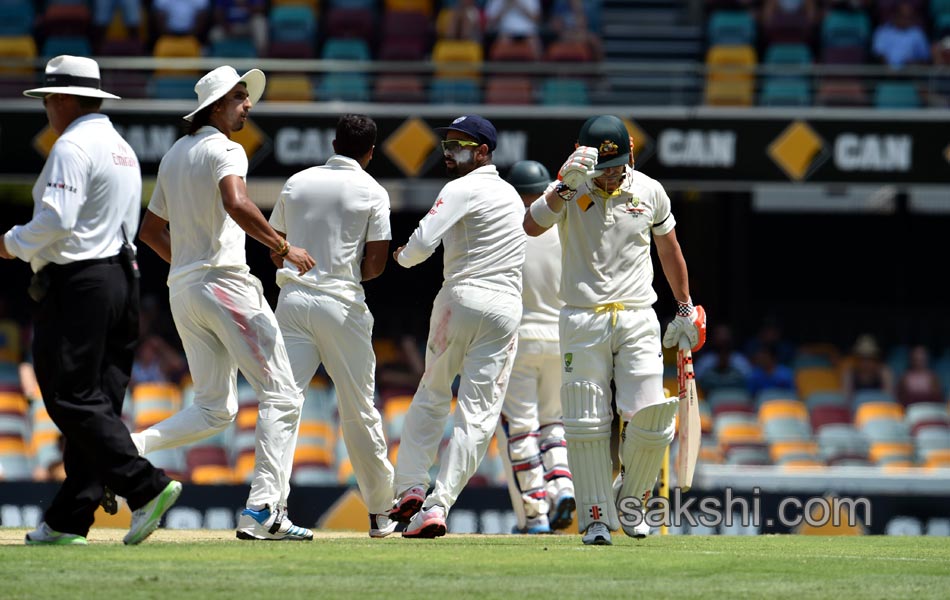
{"points": [[81, 264]]}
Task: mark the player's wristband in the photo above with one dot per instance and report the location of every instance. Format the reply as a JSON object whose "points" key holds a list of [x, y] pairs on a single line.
{"points": [[542, 213], [282, 248], [564, 193], [684, 309]]}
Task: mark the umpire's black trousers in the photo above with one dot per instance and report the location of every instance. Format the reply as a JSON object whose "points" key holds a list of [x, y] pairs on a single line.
{"points": [[84, 341]]}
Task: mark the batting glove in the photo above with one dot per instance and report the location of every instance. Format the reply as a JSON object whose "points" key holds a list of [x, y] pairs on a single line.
{"points": [[579, 167], [689, 323]]}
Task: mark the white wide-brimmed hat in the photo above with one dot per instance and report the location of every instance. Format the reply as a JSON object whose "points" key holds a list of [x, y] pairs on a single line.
{"points": [[219, 82], [73, 75]]}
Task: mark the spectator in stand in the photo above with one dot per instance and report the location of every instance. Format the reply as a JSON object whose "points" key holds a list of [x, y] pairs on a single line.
{"points": [[772, 9], [180, 17], [770, 334], [722, 365], [465, 22], [919, 383], [240, 19], [901, 41], [157, 361], [103, 11], [514, 19], [865, 370], [768, 373], [568, 22]]}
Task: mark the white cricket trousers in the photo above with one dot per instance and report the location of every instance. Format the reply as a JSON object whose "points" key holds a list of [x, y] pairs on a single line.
{"points": [[321, 328], [472, 334], [225, 324]]}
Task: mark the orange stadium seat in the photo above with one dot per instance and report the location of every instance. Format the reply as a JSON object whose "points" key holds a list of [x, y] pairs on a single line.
{"points": [[816, 379], [457, 58], [730, 76], [288, 87], [773, 409], [422, 6], [877, 410]]}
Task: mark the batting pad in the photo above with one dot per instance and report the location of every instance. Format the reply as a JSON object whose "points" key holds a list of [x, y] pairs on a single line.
{"points": [[587, 420], [645, 438], [524, 473]]}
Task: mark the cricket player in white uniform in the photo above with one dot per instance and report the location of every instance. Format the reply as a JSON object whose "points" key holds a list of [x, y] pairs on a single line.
{"points": [[607, 213], [340, 214], [197, 220], [472, 329], [531, 432]]}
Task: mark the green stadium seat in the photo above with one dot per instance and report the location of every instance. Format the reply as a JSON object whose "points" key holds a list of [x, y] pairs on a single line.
{"points": [[731, 27], [896, 94]]}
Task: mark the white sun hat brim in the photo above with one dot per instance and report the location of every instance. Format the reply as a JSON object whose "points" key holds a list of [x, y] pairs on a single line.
{"points": [[71, 75], [219, 82]]}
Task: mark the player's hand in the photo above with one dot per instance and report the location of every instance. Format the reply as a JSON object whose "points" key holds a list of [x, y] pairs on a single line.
{"points": [[300, 258], [579, 167], [692, 327], [277, 259], [397, 251], [3, 250]]}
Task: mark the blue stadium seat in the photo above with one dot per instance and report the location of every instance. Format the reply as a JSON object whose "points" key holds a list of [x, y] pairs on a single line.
{"points": [[844, 28], [785, 91], [556, 91], [345, 49], [237, 47], [896, 94], [74, 45], [16, 17], [788, 54], [350, 87], [292, 24], [454, 91], [170, 87], [731, 27]]}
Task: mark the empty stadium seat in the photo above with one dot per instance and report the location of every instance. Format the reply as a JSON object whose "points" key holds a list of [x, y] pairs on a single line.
{"points": [[454, 91], [776, 409], [791, 449], [292, 23], [785, 92], [825, 414], [153, 402], [66, 19], [171, 87], [233, 47], [289, 87], [19, 48], [457, 58], [508, 90], [558, 91], [399, 88], [514, 50], [731, 27], [335, 48], [786, 428], [814, 379], [16, 18], [889, 452], [348, 87], [896, 94], [922, 414], [728, 395], [351, 23], [841, 92], [773, 393], [568, 51], [838, 440], [74, 45], [845, 28], [424, 7], [730, 75], [929, 439], [869, 411]]}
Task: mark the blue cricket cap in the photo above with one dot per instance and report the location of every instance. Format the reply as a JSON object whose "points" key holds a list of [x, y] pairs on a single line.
{"points": [[475, 126]]}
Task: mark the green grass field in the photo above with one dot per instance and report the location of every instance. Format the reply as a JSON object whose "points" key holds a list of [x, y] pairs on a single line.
{"points": [[202, 564]]}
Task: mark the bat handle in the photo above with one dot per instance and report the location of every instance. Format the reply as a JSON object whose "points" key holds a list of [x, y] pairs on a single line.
{"points": [[684, 344]]}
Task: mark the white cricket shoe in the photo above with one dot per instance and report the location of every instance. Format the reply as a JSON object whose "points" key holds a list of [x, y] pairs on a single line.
{"points": [[428, 523], [45, 536], [597, 534], [267, 524], [145, 520], [408, 504], [380, 525]]}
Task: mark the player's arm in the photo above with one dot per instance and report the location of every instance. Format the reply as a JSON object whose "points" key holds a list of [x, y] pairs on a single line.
{"points": [[246, 214], [546, 210], [375, 255], [154, 232], [690, 321], [448, 209]]}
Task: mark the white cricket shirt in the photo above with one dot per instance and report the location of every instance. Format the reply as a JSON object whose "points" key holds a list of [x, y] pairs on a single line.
{"points": [[89, 187], [478, 218], [542, 279], [332, 211], [606, 242], [186, 195]]}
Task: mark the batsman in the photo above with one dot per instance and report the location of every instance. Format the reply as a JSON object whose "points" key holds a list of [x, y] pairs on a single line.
{"points": [[608, 215]]}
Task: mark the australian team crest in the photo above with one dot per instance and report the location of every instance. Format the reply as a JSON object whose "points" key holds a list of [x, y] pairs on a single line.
{"points": [[568, 359], [632, 207], [607, 149]]}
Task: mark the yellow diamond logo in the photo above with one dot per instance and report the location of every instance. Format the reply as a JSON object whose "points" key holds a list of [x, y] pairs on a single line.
{"points": [[642, 143], [44, 140], [410, 145], [250, 137], [798, 151]]}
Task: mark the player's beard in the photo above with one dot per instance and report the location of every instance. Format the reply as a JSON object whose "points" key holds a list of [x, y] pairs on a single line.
{"points": [[464, 162]]}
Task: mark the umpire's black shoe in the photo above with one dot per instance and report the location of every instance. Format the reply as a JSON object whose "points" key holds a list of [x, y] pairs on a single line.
{"points": [[108, 502]]}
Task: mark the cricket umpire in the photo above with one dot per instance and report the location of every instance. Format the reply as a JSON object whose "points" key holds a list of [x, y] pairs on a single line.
{"points": [[87, 201]]}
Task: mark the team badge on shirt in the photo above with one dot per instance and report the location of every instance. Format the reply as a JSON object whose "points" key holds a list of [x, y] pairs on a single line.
{"points": [[568, 359], [438, 203], [632, 207]]}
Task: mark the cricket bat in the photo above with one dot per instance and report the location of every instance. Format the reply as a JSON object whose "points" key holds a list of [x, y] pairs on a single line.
{"points": [[690, 428]]}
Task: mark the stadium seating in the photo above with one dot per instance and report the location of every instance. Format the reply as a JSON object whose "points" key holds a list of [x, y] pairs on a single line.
{"points": [[841, 441], [74, 45], [568, 51], [558, 91], [814, 379], [336, 48], [729, 27], [508, 90], [233, 47], [16, 18], [841, 92], [870, 411], [20, 48], [357, 23], [421, 6], [66, 19], [825, 414], [347, 87], [153, 402], [845, 28], [923, 414], [730, 77], [405, 36], [171, 87], [289, 87], [454, 91], [45, 439], [896, 94], [457, 58], [399, 89], [208, 465]]}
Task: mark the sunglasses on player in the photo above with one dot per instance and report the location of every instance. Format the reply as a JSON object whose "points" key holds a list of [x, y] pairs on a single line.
{"points": [[453, 145]]}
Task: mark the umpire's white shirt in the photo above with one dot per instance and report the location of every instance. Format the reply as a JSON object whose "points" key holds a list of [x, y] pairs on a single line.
{"points": [[89, 187], [606, 242], [478, 218], [332, 211], [542, 278], [186, 195]]}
